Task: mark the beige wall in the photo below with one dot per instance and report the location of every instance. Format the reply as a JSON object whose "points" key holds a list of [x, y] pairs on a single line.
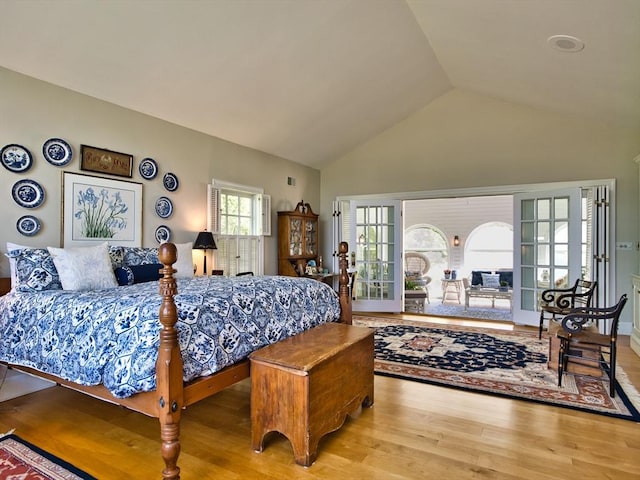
{"points": [[466, 140], [34, 111]]}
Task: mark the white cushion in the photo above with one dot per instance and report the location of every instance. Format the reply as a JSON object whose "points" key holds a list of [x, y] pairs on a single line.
{"points": [[84, 268], [12, 262], [184, 264], [491, 280]]}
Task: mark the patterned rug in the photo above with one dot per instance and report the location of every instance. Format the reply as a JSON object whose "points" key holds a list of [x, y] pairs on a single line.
{"points": [[499, 362], [24, 461], [477, 309]]}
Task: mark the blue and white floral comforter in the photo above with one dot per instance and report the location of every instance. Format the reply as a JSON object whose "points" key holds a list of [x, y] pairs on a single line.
{"points": [[111, 336]]}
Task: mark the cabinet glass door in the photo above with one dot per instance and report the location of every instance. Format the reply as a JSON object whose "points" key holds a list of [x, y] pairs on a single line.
{"points": [[311, 238], [295, 236]]}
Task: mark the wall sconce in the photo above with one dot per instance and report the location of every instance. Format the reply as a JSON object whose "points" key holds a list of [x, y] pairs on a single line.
{"points": [[456, 241]]}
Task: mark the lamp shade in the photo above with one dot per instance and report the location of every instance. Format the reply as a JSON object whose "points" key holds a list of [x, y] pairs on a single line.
{"points": [[205, 241]]}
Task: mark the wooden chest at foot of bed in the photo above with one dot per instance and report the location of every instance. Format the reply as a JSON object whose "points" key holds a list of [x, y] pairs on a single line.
{"points": [[306, 385]]}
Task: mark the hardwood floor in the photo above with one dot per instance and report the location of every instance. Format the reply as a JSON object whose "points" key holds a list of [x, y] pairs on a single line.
{"points": [[414, 431]]}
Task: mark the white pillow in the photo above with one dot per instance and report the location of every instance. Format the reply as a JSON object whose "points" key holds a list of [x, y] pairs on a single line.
{"points": [[184, 263], [12, 262], [489, 280], [84, 268]]}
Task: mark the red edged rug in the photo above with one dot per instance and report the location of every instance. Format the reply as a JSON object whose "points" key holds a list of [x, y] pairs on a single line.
{"points": [[499, 362], [21, 460]]}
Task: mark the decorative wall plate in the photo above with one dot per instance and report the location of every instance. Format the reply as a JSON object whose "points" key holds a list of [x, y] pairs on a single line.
{"points": [[163, 234], [27, 193], [57, 152], [148, 168], [16, 158], [28, 225], [164, 207], [170, 182]]}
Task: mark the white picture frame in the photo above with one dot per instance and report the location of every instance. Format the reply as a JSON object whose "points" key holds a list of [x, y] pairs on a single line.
{"points": [[97, 209]]}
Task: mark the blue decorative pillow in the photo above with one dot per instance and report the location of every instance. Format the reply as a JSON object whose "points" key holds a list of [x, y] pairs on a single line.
{"points": [[35, 270], [139, 256], [506, 276], [130, 274], [116, 253], [476, 277]]}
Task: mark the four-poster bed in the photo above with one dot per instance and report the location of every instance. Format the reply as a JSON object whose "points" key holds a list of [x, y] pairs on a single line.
{"points": [[171, 393]]}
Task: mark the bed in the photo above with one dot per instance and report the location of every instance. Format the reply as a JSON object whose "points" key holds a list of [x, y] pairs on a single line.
{"points": [[158, 356]]}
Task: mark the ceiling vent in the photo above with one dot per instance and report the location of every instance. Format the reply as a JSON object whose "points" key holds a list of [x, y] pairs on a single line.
{"points": [[566, 43]]}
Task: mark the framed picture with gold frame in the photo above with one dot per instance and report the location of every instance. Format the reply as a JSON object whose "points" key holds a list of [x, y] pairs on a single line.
{"points": [[101, 160]]}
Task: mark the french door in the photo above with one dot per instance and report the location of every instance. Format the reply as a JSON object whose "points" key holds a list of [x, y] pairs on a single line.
{"points": [[547, 247], [374, 231]]}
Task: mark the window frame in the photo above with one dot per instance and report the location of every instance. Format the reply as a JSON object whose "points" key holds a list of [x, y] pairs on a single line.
{"points": [[233, 248]]}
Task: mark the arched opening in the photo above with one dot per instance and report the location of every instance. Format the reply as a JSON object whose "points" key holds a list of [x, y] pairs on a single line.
{"points": [[489, 247], [432, 242]]}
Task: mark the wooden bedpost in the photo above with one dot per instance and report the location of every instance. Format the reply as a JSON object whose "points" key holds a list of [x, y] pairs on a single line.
{"points": [[169, 370], [343, 281]]}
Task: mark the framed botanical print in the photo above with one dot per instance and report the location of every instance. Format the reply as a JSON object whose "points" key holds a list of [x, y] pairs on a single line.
{"points": [[97, 209]]}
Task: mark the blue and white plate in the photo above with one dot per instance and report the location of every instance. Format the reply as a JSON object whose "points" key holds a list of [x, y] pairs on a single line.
{"points": [[27, 193], [170, 182], [16, 158], [164, 207], [148, 168], [28, 225], [57, 152], [163, 234]]}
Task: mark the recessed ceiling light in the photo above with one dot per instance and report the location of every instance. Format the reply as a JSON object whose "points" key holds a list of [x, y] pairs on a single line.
{"points": [[566, 43]]}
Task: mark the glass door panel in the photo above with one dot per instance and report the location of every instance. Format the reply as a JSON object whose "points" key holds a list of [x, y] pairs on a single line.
{"points": [[377, 237], [547, 246]]}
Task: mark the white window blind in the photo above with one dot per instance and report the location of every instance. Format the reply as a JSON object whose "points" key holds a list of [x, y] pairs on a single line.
{"points": [[237, 254]]}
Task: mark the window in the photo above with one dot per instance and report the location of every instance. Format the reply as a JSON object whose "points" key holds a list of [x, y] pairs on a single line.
{"points": [[432, 242], [239, 216], [489, 247], [236, 213]]}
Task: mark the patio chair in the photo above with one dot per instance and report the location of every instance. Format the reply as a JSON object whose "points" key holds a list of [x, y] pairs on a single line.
{"points": [[416, 266]]}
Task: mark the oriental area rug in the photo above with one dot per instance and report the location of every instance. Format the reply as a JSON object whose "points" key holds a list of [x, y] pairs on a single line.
{"points": [[498, 362], [21, 460]]}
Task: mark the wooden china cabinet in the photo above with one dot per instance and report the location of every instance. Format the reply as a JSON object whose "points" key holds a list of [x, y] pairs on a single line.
{"points": [[297, 240]]}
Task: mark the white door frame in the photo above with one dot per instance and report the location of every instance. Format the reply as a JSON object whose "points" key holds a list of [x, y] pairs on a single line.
{"points": [[526, 292]]}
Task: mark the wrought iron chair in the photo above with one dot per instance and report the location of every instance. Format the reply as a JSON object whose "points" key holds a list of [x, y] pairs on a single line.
{"points": [[575, 341], [557, 302]]}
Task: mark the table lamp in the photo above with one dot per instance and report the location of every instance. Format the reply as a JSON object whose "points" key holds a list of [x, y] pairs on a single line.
{"points": [[205, 242]]}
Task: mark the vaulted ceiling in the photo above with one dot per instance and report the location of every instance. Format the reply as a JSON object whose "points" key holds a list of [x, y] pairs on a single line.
{"points": [[308, 80]]}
